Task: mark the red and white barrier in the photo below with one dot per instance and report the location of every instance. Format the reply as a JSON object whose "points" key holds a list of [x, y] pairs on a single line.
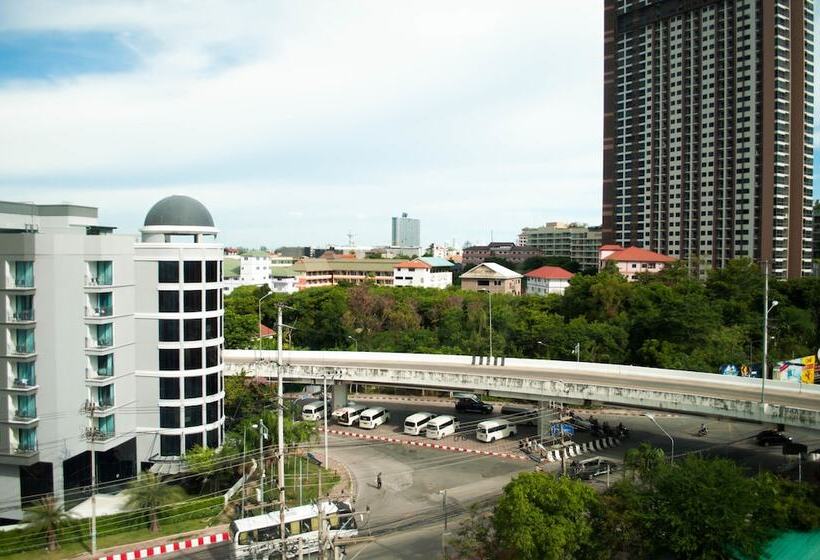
{"points": [[169, 547], [427, 444]]}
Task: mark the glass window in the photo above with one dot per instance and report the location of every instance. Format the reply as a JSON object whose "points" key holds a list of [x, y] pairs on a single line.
{"points": [[168, 330], [168, 301], [193, 358], [169, 417], [211, 300], [105, 335], [212, 384], [211, 356], [193, 300], [25, 374], [212, 412], [168, 388], [24, 341], [213, 438], [23, 308], [102, 273], [169, 446], [193, 271], [193, 416], [105, 365], [104, 306], [192, 440], [26, 406], [193, 329], [211, 271], [27, 439], [193, 387], [106, 425], [105, 395], [211, 327], [168, 272], [24, 274], [168, 360]]}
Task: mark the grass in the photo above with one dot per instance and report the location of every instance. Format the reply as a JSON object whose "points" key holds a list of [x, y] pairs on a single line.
{"points": [[310, 482]]}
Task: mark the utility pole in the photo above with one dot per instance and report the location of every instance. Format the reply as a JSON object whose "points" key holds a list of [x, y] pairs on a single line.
{"points": [[91, 435], [322, 532], [280, 431]]}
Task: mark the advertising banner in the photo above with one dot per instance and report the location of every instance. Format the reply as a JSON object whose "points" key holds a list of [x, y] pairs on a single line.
{"points": [[797, 370], [742, 370]]}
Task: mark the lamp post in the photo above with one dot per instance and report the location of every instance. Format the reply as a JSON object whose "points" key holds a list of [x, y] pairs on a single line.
{"points": [[263, 434], [766, 309], [260, 322], [490, 296], [651, 417], [355, 342], [577, 351]]}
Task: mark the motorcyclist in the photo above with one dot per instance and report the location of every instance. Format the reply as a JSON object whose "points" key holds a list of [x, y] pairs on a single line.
{"points": [[703, 430]]}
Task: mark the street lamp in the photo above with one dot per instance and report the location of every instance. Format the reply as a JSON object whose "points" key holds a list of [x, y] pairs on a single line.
{"points": [[766, 343], [355, 342], [651, 417], [490, 295], [260, 322], [263, 434]]}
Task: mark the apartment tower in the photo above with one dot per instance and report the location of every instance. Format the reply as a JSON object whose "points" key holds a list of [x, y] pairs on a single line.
{"points": [[708, 130]]}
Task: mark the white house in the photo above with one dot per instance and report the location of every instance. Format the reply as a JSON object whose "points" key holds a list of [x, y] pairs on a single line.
{"points": [[547, 280], [633, 260], [424, 272]]}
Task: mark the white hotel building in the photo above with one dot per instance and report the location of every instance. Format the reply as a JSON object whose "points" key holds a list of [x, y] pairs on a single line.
{"points": [[105, 335]]}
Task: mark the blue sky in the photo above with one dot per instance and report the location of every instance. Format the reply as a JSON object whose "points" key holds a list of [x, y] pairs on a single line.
{"points": [[298, 122]]}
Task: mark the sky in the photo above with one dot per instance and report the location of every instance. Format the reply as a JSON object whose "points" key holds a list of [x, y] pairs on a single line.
{"points": [[298, 123]]}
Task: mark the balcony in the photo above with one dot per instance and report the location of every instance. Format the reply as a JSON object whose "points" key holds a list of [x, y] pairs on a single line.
{"points": [[21, 316], [22, 350], [24, 383], [95, 344], [98, 312], [97, 282]]}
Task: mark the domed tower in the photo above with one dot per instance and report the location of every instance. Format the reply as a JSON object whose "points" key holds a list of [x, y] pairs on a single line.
{"points": [[179, 332]]}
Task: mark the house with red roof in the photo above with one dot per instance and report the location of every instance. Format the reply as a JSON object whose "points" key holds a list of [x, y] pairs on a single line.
{"points": [[547, 280], [631, 261]]}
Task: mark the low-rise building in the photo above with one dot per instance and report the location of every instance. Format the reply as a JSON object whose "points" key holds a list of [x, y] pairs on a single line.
{"points": [[547, 280], [575, 241], [632, 261], [424, 272], [491, 277], [311, 273], [510, 252]]}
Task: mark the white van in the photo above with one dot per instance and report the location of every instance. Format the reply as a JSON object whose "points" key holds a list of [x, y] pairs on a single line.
{"points": [[373, 417], [492, 430], [348, 415], [415, 424], [441, 426], [314, 410]]}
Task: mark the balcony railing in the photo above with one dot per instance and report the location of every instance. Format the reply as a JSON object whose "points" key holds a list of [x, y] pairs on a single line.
{"points": [[94, 281], [25, 450], [21, 315], [103, 404], [25, 414], [23, 349], [95, 344], [24, 383], [99, 311]]}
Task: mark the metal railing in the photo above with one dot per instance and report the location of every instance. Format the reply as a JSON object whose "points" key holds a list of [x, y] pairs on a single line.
{"points": [[94, 344], [23, 349], [21, 315], [23, 383], [99, 311]]}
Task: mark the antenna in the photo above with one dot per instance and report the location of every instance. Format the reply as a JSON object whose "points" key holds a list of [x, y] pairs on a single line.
{"points": [[350, 239]]}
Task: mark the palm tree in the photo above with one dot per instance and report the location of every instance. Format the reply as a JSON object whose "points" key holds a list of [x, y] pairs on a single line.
{"points": [[150, 494], [644, 460], [47, 516]]}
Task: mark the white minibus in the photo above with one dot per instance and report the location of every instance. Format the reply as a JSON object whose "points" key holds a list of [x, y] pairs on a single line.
{"points": [[373, 417], [415, 424], [441, 426], [348, 415], [314, 410], [492, 430]]}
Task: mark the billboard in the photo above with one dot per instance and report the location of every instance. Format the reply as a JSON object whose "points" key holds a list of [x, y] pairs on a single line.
{"points": [[797, 370], [742, 370]]}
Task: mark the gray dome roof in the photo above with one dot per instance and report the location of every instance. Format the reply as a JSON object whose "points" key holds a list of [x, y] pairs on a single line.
{"points": [[179, 210]]}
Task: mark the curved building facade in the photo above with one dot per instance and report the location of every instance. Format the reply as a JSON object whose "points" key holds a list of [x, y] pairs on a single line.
{"points": [[179, 331]]}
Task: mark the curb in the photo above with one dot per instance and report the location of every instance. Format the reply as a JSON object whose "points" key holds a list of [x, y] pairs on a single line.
{"points": [[167, 548], [582, 448], [428, 445]]}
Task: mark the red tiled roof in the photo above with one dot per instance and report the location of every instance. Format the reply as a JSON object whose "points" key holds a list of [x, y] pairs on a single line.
{"points": [[638, 254], [267, 332], [412, 264], [611, 248], [550, 273]]}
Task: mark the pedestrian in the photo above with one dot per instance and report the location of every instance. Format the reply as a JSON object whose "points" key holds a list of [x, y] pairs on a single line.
{"points": [[379, 481]]}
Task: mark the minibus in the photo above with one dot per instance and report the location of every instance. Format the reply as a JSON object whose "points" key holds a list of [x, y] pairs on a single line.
{"points": [[492, 430], [373, 417], [415, 424], [314, 410], [441, 426]]}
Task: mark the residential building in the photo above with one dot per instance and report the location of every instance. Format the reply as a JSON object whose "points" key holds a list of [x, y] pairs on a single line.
{"points": [[547, 280], [633, 260], [84, 344], [406, 232], [708, 130], [424, 272], [816, 232], [451, 253], [510, 252], [283, 280], [578, 242], [256, 268], [491, 277], [295, 252], [311, 273]]}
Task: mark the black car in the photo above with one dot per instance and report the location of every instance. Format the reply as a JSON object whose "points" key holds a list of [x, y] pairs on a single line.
{"points": [[473, 405], [772, 437]]}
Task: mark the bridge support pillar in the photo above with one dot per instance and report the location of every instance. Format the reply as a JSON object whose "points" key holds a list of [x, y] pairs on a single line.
{"points": [[544, 417], [340, 394]]}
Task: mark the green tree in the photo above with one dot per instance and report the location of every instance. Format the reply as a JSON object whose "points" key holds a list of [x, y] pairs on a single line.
{"points": [[475, 538], [147, 493], [644, 461], [541, 517], [47, 517]]}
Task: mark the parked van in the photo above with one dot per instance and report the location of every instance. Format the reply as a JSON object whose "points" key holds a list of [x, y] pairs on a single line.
{"points": [[492, 430], [373, 417], [314, 410], [441, 426], [349, 415], [416, 424]]}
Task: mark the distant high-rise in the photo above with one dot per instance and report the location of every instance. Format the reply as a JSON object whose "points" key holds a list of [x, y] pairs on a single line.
{"points": [[406, 232], [708, 130]]}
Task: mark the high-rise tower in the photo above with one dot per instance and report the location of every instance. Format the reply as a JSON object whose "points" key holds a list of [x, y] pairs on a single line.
{"points": [[708, 129]]}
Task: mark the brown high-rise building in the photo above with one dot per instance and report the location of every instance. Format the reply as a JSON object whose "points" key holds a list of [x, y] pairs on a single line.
{"points": [[708, 130]]}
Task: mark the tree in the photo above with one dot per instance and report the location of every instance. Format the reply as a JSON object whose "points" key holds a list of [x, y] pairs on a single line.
{"points": [[644, 461], [47, 516], [541, 517], [475, 538], [149, 494]]}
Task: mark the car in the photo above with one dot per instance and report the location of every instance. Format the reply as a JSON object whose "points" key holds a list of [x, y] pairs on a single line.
{"points": [[772, 437], [471, 404], [592, 467]]}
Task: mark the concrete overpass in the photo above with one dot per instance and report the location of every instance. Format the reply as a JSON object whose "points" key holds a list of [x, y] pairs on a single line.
{"points": [[543, 380]]}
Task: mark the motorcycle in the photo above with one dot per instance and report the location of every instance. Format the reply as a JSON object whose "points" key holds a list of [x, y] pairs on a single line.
{"points": [[703, 431]]}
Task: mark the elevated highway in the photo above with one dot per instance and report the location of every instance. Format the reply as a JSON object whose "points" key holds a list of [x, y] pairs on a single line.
{"points": [[542, 380]]}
